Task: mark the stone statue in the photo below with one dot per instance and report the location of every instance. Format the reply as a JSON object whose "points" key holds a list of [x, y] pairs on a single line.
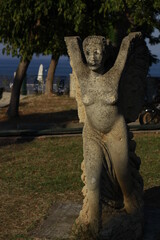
{"points": [[110, 94]]}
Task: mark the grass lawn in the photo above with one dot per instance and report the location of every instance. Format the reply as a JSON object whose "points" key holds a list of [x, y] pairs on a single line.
{"points": [[32, 176], [36, 109], [36, 173], [148, 148]]}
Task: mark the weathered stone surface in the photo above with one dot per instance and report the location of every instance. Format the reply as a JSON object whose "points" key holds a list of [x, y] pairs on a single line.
{"points": [[72, 91], [109, 93], [58, 224]]}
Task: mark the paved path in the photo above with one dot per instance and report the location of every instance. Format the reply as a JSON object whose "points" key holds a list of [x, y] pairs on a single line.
{"points": [[59, 222], [61, 217], [4, 101]]}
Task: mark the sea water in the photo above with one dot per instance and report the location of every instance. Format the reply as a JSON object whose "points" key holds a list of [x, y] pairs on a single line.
{"points": [[8, 66]]}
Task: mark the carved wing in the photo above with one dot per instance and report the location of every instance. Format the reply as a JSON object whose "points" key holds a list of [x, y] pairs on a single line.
{"points": [[74, 48], [80, 105], [133, 79]]}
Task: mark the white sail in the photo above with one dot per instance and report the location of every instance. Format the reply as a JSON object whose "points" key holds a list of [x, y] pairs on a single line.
{"points": [[40, 74]]}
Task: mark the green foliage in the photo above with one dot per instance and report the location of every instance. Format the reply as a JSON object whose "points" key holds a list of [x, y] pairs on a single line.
{"points": [[39, 26], [26, 26], [125, 16]]}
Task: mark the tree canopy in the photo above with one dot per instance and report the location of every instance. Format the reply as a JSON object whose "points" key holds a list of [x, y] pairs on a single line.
{"points": [[140, 15], [22, 28], [38, 26]]}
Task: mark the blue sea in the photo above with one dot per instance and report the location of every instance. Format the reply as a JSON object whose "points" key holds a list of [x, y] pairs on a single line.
{"points": [[9, 65]]}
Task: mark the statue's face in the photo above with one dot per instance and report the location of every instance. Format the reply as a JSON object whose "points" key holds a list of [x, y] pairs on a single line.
{"points": [[94, 55]]}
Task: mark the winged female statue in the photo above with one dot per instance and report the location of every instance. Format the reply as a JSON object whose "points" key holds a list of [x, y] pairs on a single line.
{"points": [[111, 93]]}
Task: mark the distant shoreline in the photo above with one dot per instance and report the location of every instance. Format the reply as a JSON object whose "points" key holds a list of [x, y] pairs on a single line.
{"points": [[9, 65]]}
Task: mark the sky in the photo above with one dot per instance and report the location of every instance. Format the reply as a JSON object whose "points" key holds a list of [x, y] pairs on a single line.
{"points": [[155, 49]]}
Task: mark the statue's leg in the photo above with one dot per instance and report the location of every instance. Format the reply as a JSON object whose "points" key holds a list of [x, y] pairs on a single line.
{"points": [[117, 143], [93, 158]]}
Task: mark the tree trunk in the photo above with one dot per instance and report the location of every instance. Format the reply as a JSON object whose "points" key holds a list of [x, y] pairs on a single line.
{"points": [[15, 94], [50, 76]]}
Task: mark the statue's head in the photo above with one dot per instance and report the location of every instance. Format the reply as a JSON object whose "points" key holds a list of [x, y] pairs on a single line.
{"points": [[94, 48]]}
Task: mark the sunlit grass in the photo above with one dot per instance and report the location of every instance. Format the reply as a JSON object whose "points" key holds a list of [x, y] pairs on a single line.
{"points": [[32, 176], [35, 174], [148, 148], [48, 165]]}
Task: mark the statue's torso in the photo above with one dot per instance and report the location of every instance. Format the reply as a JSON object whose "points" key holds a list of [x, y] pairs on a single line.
{"points": [[99, 97]]}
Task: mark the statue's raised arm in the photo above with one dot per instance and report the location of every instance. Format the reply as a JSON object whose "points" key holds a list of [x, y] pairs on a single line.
{"points": [[124, 52], [74, 47], [126, 45]]}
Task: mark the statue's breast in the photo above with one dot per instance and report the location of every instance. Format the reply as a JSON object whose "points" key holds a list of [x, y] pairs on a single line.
{"points": [[98, 89], [87, 99], [109, 98]]}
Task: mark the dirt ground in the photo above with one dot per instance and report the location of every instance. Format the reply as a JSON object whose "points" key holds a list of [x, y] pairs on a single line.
{"points": [[41, 111]]}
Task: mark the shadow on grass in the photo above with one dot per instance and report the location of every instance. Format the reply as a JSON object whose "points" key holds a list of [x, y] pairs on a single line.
{"points": [[23, 129], [152, 197], [52, 117], [15, 140], [39, 120]]}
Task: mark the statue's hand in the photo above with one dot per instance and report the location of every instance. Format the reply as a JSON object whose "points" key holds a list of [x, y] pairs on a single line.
{"points": [[131, 38], [129, 42], [134, 35]]}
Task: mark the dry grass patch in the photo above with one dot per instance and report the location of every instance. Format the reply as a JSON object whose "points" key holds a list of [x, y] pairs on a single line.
{"points": [[42, 109], [35, 174], [45, 104]]}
